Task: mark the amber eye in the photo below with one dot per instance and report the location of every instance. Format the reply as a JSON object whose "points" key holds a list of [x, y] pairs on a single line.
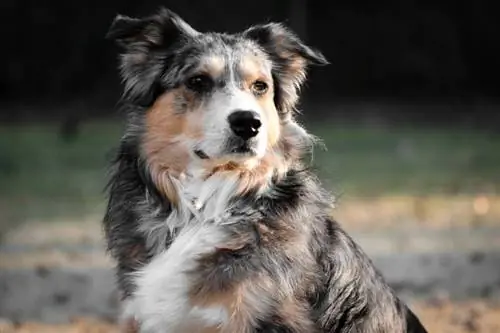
{"points": [[259, 87], [200, 83]]}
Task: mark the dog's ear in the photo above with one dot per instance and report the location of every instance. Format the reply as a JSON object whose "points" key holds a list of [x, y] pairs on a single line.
{"points": [[282, 42], [163, 28], [147, 45], [290, 57]]}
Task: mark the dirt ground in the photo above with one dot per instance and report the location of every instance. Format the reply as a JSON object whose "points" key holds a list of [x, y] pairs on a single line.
{"points": [[466, 317], [437, 316]]}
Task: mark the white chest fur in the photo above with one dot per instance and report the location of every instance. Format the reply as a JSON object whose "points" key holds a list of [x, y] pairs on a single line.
{"points": [[160, 302]]}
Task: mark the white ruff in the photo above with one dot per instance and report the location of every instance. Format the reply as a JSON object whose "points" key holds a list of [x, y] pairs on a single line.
{"points": [[160, 303]]}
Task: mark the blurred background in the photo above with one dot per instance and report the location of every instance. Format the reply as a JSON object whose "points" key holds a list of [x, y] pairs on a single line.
{"points": [[408, 111]]}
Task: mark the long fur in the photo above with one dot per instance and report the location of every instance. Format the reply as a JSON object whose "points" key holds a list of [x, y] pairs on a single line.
{"points": [[231, 248]]}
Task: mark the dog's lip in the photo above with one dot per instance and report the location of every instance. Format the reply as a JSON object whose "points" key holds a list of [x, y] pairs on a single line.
{"points": [[243, 149], [201, 154]]}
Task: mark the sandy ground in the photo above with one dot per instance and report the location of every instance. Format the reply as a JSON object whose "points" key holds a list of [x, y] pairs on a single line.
{"points": [[421, 225], [472, 316], [442, 317]]}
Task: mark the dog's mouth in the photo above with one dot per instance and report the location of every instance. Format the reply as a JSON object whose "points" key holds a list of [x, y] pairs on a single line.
{"points": [[240, 150], [237, 146], [201, 154], [243, 149]]}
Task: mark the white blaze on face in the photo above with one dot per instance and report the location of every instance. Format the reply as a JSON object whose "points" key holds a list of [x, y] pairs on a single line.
{"points": [[217, 131]]}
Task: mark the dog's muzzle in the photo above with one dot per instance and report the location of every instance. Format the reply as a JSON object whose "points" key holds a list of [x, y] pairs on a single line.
{"points": [[244, 124]]}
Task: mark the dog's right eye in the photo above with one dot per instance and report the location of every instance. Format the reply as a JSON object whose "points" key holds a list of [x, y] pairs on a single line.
{"points": [[200, 83]]}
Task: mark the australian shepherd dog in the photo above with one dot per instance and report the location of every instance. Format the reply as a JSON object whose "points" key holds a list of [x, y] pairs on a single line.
{"points": [[215, 223]]}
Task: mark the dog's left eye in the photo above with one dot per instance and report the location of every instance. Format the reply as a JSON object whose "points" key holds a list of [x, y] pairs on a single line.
{"points": [[259, 87], [200, 83]]}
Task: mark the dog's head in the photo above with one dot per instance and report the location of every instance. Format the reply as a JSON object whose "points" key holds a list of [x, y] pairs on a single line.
{"points": [[212, 97]]}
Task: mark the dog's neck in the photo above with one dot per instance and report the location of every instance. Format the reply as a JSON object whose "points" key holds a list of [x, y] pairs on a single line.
{"points": [[201, 195], [201, 179]]}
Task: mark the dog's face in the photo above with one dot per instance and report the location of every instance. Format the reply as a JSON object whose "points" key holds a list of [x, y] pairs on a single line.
{"points": [[220, 99], [209, 96]]}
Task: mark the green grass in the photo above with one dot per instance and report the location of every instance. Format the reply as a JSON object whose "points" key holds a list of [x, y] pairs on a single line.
{"points": [[44, 178], [407, 160]]}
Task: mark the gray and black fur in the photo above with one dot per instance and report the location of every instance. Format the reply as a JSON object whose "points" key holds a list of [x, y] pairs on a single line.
{"points": [[332, 279]]}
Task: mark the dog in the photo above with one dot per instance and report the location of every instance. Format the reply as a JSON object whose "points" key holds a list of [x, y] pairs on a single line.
{"points": [[213, 218]]}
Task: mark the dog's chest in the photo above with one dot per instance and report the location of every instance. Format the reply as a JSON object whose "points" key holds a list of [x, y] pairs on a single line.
{"points": [[208, 199], [197, 225], [161, 302]]}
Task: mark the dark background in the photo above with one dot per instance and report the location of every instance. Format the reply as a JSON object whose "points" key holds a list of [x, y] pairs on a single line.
{"points": [[54, 52]]}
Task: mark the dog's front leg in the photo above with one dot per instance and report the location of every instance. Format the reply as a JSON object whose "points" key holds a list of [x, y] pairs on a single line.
{"points": [[161, 301]]}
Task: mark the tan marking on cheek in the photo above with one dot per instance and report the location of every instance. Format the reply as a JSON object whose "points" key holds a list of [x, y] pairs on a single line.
{"points": [[272, 117], [162, 119], [168, 122]]}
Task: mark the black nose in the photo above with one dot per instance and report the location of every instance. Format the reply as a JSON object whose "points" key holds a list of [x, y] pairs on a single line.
{"points": [[244, 124]]}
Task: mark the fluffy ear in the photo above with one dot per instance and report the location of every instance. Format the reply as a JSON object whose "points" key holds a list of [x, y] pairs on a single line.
{"points": [[290, 57], [164, 27], [125, 28], [146, 42]]}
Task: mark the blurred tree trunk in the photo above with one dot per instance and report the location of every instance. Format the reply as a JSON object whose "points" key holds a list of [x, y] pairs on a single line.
{"points": [[298, 17]]}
